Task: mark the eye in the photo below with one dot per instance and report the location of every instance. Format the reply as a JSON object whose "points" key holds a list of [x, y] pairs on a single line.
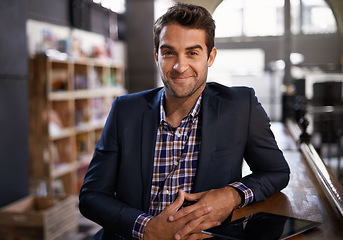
{"points": [[192, 53], [167, 53]]}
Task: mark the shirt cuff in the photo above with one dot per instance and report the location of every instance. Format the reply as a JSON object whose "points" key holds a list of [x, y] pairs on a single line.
{"points": [[247, 193], [140, 224]]}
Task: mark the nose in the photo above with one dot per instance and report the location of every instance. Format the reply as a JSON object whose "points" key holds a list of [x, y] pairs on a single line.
{"points": [[181, 64]]}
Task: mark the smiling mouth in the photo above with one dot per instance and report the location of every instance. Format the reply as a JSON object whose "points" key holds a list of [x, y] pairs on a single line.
{"points": [[181, 78]]}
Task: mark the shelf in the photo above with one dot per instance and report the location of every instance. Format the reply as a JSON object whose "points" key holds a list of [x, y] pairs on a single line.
{"points": [[58, 134], [90, 126], [69, 104], [84, 160], [63, 169], [99, 92], [87, 93], [99, 123], [60, 96]]}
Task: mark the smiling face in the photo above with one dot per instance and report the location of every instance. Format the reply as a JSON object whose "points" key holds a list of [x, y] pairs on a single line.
{"points": [[183, 61]]}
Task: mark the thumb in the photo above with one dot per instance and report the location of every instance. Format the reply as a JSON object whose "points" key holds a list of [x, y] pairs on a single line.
{"points": [[194, 196], [178, 201]]}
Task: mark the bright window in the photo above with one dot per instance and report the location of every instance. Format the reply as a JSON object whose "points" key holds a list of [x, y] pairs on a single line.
{"points": [[117, 6], [317, 17], [161, 7], [249, 18], [263, 18], [229, 18]]}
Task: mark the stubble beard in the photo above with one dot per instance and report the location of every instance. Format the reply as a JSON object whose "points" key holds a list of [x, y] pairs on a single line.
{"points": [[190, 88]]}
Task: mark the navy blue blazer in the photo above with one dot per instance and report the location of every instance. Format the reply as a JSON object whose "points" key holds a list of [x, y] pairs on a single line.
{"points": [[117, 185]]}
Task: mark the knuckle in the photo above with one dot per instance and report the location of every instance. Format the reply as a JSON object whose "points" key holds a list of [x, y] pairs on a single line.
{"points": [[193, 224], [191, 237], [186, 211]]}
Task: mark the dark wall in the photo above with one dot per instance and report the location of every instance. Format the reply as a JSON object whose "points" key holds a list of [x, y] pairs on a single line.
{"points": [[53, 11], [320, 49], [140, 59], [13, 101], [81, 14]]}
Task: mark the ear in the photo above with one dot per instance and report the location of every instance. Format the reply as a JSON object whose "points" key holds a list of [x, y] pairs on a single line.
{"points": [[156, 57], [212, 56]]}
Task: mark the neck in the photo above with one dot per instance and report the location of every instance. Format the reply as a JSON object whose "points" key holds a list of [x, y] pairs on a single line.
{"points": [[177, 108]]}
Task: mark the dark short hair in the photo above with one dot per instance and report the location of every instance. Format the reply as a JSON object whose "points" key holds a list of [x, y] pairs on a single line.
{"points": [[187, 15]]}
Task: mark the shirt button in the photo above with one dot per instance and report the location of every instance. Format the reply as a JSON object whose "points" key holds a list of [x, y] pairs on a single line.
{"points": [[166, 191], [176, 163], [178, 134]]}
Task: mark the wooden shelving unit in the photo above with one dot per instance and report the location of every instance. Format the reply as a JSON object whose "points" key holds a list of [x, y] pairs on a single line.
{"points": [[69, 102]]}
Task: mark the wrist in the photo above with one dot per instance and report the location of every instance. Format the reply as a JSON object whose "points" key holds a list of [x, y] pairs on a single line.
{"points": [[236, 195], [140, 225]]}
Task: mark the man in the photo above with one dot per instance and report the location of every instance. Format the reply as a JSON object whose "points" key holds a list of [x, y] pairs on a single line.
{"points": [[168, 164]]}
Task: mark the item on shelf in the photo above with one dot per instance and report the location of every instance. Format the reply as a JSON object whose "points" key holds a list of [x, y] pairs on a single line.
{"points": [[97, 109], [80, 81], [75, 51], [81, 144], [94, 78], [48, 40], [64, 45], [55, 124], [55, 154], [112, 77], [100, 52], [55, 54], [58, 187], [59, 84], [59, 80], [82, 114], [42, 189]]}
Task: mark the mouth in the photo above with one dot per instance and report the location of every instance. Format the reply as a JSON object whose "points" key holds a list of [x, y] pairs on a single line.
{"points": [[180, 78]]}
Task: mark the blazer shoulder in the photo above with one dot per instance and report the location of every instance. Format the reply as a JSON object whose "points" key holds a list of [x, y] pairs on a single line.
{"points": [[138, 99], [235, 92]]}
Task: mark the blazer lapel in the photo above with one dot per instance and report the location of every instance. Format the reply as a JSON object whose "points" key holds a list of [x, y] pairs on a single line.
{"points": [[209, 114], [149, 131]]}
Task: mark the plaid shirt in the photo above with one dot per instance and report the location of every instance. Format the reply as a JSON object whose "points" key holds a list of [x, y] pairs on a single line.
{"points": [[175, 164]]}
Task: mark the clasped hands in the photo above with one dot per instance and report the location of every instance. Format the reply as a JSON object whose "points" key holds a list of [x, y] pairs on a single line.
{"points": [[211, 208]]}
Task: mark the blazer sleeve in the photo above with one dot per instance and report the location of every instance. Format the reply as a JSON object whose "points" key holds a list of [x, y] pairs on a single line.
{"points": [[270, 171], [97, 200]]}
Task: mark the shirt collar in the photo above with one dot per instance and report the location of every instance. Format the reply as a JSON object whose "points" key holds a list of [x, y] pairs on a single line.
{"points": [[192, 114]]}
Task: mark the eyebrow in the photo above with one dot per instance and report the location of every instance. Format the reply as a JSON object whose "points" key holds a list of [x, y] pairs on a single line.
{"points": [[188, 48]]}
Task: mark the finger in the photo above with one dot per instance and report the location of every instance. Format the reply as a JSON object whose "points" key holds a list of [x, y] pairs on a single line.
{"points": [[197, 236], [194, 211], [196, 225], [181, 213], [194, 196], [178, 202], [188, 228]]}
